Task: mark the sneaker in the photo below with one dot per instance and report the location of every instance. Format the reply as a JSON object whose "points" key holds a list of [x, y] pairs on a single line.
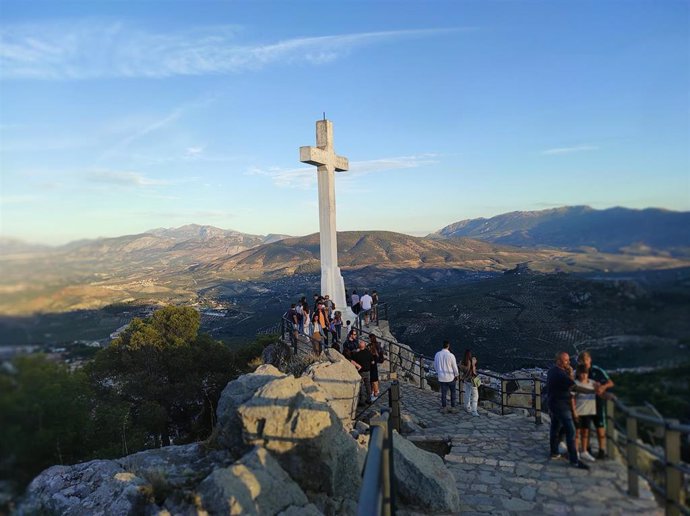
{"points": [[453, 410], [602, 455], [444, 410], [373, 397], [586, 456], [555, 456], [579, 465], [562, 448], [475, 413]]}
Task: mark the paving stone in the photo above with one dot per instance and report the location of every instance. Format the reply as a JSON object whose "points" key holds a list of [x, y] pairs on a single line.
{"points": [[501, 465]]}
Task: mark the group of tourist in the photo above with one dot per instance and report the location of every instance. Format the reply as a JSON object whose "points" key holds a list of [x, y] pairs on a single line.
{"points": [[576, 399], [323, 323]]}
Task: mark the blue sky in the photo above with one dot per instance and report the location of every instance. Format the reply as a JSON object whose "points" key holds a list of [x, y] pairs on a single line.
{"points": [[118, 117]]}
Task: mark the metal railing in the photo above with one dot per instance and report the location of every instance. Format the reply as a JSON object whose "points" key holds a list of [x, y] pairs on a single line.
{"points": [[414, 366], [377, 495], [624, 443]]}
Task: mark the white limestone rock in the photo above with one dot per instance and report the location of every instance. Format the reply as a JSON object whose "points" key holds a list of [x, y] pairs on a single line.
{"points": [[228, 429], [291, 418], [256, 484], [423, 479], [340, 381]]}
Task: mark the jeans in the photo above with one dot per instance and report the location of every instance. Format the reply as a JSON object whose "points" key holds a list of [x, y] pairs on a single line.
{"points": [[562, 417], [445, 387], [471, 396]]}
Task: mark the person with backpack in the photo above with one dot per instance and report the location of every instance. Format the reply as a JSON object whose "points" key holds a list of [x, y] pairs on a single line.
{"points": [[293, 325]]}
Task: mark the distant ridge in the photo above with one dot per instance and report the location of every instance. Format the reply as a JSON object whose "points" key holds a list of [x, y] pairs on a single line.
{"points": [[613, 230]]}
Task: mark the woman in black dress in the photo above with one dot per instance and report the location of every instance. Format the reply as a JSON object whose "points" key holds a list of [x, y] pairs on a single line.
{"points": [[377, 354]]}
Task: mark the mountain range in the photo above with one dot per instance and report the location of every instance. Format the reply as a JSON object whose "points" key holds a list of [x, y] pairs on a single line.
{"points": [[614, 230], [165, 265]]}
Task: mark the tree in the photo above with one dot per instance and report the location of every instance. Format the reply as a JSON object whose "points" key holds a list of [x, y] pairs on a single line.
{"points": [[170, 376], [45, 413]]}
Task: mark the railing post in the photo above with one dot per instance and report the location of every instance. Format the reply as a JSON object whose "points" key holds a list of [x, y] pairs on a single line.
{"points": [[631, 452], [394, 403], [537, 400], [611, 449], [461, 392], [282, 329], [383, 422], [421, 372], [504, 396], [674, 478]]}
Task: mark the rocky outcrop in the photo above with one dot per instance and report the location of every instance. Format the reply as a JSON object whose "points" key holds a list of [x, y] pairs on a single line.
{"points": [[228, 430], [340, 381], [291, 418], [256, 484], [423, 479], [280, 447], [99, 487]]}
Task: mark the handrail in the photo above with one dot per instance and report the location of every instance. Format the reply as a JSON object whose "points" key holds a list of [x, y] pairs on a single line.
{"points": [[621, 441], [377, 494]]}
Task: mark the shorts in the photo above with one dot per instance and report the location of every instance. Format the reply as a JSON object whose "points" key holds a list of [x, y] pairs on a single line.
{"points": [[585, 422]]}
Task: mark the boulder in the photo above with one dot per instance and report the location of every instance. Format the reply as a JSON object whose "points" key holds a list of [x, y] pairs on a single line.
{"points": [[339, 379], [175, 467], [256, 484], [307, 510], [228, 429], [99, 487], [291, 418], [422, 478]]}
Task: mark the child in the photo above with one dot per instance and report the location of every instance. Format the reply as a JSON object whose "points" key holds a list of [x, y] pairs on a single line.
{"points": [[585, 411]]}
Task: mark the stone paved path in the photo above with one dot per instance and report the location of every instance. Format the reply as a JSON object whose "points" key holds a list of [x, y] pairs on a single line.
{"points": [[501, 465]]}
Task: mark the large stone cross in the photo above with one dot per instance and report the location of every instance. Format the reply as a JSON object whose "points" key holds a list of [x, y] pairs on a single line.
{"points": [[327, 162]]}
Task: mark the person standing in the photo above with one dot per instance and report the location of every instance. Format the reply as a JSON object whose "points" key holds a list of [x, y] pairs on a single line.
{"points": [[374, 306], [362, 360], [598, 375], [377, 352], [468, 373], [338, 324], [447, 370], [293, 323], [585, 411], [365, 304], [355, 302], [559, 383]]}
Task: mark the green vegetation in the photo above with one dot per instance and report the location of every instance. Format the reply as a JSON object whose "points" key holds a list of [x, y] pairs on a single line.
{"points": [[158, 383], [666, 389]]}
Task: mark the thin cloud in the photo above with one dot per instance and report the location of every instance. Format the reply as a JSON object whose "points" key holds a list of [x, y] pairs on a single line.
{"points": [[91, 50], [305, 178], [568, 150], [125, 179]]}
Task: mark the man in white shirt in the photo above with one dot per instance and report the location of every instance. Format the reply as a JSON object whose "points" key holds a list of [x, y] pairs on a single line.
{"points": [[447, 370], [365, 304]]}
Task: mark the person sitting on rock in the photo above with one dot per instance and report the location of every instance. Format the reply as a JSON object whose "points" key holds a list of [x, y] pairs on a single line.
{"points": [[447, 370], [362, 360]]}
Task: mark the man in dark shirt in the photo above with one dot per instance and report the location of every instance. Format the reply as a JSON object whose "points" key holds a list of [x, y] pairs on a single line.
{"points": [[559, 383], [362, 360]]}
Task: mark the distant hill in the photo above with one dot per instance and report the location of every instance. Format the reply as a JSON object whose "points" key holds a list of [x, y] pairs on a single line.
{"points": [[614, 230], [388, 250], [9, 246], [180, 265]]}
